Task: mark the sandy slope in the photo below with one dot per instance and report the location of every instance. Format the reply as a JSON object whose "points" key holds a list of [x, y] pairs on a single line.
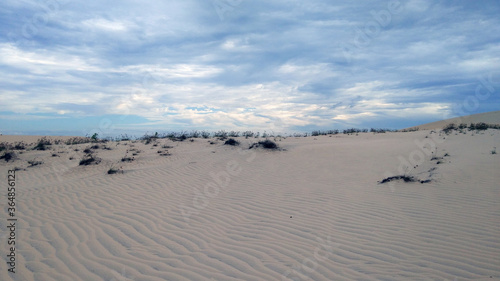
{"points": [[312, 212], [488, 118]]}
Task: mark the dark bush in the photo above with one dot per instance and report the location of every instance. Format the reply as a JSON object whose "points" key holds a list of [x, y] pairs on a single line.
{"points": [[178, 137], [481, 126], [7, 156], [4, 146], [42, 144], [89, 159], [78, 140], [220, 134], [114, 170], [127, 159], [195, 134], [19, 146], [248, 134], [123, 138], [352, 131], [378, 131], [34, 163], [234, 134], [267, 144], [450, 127], [404, 178], [232, 142], [164, 153], [320, 133]]}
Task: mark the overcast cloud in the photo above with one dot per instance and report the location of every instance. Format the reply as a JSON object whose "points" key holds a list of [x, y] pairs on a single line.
{"points": [[72, 67]]}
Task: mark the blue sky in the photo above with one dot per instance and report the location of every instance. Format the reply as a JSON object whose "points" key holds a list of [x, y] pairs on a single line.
{"points": [[78, 67]]}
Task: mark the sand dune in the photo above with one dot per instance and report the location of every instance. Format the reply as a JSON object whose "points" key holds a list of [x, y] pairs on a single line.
{"points": [[314, 211], [488, 118]]}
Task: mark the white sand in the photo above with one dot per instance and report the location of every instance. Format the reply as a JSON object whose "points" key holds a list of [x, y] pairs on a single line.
{"points": [[312, 212]]}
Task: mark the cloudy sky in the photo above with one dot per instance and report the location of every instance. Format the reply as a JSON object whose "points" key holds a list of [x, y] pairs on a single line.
{"points": [[77, 67]]}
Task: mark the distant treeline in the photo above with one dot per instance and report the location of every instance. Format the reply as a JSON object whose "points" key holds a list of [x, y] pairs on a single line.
{"points": [[351, 131], [471, 127], [183, 135], [221, 134]]}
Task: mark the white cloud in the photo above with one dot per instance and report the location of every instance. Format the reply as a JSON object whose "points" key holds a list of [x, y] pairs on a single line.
{"points": [[106, 25], [159, 72], [267, 65], [42, 61]]}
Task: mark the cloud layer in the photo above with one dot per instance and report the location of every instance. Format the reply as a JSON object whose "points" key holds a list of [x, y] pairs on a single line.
{"points": [[236, 64]]}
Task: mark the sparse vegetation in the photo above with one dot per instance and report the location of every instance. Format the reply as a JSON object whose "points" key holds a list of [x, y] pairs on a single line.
{"points": [[164, 153], [323, 133], [127, 159], [404, 178], [481, 126], [42, 144], [233, 134], [78, 140], [94, 137], [7, 156], [379, 131], [494, 151], [150, 138], [89, 159], [448, 128], [232, 142], [114, 170], [248, 134], [4, 146], [181, 136], [124, 137], [34, 163], [19, 146], [354, 131], [222, 135], [267, 144], [414, 129]]}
